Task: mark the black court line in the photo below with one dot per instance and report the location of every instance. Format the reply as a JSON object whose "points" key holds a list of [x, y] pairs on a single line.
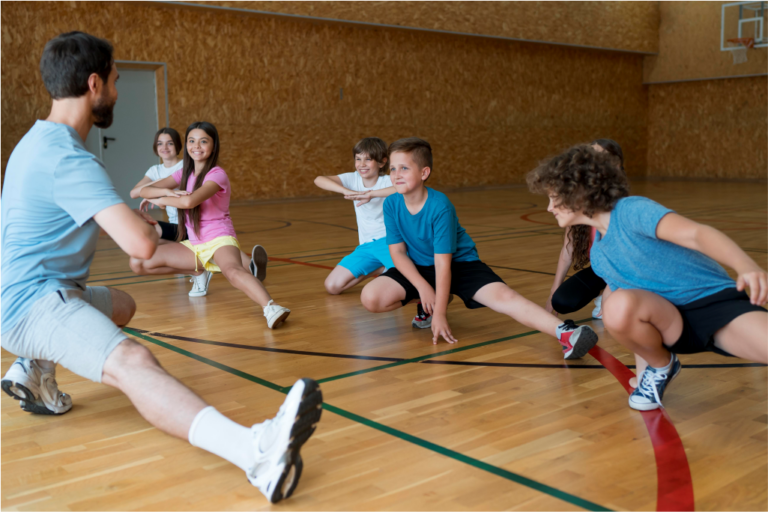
{"points": [[286, 225], [524, 270]]}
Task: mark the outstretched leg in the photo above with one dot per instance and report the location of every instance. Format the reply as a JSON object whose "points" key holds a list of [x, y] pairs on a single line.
{"points": [[745, 336], [172, 258]]}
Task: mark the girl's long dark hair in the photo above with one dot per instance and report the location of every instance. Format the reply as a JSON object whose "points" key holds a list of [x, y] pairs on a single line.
{"points": [[580, 236], [189, 170]]}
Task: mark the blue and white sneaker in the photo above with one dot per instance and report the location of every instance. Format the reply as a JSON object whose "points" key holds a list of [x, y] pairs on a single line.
{"points": [[276, 442], [654, 381], [35, 388]]}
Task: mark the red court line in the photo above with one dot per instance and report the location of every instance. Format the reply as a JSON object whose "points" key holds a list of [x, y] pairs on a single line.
{"points": [[288, 260], [526, 217], [674, 484]]}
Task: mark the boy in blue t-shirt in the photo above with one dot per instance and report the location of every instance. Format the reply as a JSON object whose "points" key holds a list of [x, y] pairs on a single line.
{"points": [[434, 257], [669, 295]]}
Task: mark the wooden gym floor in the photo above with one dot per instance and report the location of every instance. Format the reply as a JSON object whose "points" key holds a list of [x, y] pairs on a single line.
{"points": [[495, 422]]}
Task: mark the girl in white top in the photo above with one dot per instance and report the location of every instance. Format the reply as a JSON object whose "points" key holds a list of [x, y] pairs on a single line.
{"points": [[367, 187], [167, 146]]}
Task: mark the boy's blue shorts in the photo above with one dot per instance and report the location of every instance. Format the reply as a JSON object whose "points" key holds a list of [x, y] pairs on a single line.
{"points": [[368, 257]]}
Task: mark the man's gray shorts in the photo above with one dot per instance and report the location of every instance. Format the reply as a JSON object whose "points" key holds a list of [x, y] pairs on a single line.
{"points": [[73, 328]]}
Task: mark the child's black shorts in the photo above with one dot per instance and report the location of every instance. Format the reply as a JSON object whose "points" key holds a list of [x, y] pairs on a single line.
{"points": [[704, 317], [466, 278], [169, 231]]}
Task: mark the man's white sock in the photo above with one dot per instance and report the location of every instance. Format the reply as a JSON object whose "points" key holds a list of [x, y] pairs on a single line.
{"points": [[214, 432]]}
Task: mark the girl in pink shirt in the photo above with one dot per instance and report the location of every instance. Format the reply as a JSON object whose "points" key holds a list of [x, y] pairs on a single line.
{"points": [[203, 204]]}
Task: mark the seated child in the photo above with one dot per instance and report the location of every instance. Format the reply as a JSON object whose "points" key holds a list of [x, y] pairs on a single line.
{"points": [[367, 187], [670, 296], [434, 257]]}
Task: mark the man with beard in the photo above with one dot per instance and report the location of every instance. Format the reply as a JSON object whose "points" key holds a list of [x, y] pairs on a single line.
{"points": [[56, 196]]}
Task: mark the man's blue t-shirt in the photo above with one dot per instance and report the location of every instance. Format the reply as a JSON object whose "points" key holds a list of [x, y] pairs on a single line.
{"points": [[53, 187], [631, 257], [434, 230]]}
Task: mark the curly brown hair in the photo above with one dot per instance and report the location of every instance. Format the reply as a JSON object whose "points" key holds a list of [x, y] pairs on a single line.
{"points": [[585, 180]]}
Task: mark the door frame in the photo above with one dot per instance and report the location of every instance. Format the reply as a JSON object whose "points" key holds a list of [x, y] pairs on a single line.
{"points": [[161, 85]]}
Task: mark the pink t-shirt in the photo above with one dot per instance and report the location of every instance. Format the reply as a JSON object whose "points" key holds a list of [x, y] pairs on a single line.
{"points": [[214, 211]]}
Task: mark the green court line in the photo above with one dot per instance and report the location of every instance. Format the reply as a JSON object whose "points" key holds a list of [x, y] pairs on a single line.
{"points": [[447, 452], [436, 354]]}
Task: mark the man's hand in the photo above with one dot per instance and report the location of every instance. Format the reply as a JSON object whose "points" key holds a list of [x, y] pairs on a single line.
{"points": [[440, 327], [145, 217]]}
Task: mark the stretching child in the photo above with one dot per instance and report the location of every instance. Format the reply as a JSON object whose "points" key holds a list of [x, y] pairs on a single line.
{"points": [[584, 286], [669, 294], [434, 257], [367, 187], [167, 145], [203, 204]]}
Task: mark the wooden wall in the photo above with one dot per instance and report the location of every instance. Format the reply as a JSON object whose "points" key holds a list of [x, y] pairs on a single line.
{"points": [[709, 129], [631, 26], [689, 46], [490, 108]]}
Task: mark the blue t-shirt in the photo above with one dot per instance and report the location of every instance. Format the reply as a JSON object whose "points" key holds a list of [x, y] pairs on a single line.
{"points": [[53, 187], [631, 257], [434, 230]]}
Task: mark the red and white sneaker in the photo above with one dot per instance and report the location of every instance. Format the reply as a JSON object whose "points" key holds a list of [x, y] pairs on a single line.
{"points": [[422, 320], [576, 340]]}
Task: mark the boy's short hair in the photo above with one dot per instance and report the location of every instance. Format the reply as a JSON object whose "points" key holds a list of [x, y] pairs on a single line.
{"points": [[175, 137], [419, 149], [582, 179], [69, 59], [375, 148]]}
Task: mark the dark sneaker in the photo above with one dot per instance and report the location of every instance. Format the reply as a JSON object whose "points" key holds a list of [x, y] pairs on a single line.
{"points": [[259, 262], [647, 395], [576, 340], [422, 320]]}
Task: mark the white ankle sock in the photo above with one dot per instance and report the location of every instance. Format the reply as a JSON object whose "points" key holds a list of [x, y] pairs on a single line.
{"points": [[214, 432]]}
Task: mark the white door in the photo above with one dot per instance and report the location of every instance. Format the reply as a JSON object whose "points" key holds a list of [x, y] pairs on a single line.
{"points": [[126, 146]]}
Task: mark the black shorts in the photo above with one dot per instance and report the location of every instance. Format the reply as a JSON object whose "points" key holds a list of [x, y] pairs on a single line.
{"points": [[467, 277], [704, 317], [169, 231]]}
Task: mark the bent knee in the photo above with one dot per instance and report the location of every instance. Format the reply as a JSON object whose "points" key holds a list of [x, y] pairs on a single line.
{"points": [[124, 360], [137, 266], [620, 310], [123, 307], [370, 301], [333, 287]]}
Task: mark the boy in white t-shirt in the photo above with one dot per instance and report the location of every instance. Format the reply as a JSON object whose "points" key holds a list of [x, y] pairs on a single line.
{"points": [[367, 187]]}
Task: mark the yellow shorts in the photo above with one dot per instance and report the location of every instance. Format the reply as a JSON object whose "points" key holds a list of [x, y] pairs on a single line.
{"points": [[204, 252]]}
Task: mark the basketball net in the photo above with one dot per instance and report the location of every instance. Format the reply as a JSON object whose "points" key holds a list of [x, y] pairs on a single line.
{"points": [[743, 44]]}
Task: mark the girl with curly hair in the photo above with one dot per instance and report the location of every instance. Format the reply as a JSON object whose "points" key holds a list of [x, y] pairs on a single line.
{"points": [[669, 294], [584, 286]]}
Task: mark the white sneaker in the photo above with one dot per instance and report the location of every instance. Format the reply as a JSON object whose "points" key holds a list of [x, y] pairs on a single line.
{"points": [[277, 442], [200, 284], [36, 388], [259, 261], [275, 314], [598, 311]]}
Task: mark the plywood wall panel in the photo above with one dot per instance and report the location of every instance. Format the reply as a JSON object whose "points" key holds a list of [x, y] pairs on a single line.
{"points": [[631, 26], [490, 108], [710, 129], [689, 46]]}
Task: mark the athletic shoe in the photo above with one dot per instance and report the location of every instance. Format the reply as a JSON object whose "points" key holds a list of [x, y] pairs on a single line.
{"points": [[647, 395], [576, 340], [36, 388], [259, 262], [200, 284], [277, 442], [597, 313], [422, 320], [275, 314]]}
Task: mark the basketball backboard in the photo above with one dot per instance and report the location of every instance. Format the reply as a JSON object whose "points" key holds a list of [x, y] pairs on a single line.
{"points": [[740, 20]]}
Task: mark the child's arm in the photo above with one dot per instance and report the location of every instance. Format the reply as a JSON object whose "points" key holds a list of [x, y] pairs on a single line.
{"points": [[440, 325], [161, 188], [405, 265], [713, 243], [141, 184], [187, 202], [364, 197], [332, 184], [563, 265]]}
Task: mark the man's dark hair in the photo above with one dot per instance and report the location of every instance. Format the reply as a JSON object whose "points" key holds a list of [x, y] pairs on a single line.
{"points": [[69, 59], [419, 149]]}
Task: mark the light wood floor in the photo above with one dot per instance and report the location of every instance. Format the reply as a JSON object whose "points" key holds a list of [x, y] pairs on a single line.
{"points": [[413, 435]]}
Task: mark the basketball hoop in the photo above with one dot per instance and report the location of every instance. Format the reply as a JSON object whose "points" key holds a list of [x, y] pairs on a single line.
{"points": [[743, 44]]}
